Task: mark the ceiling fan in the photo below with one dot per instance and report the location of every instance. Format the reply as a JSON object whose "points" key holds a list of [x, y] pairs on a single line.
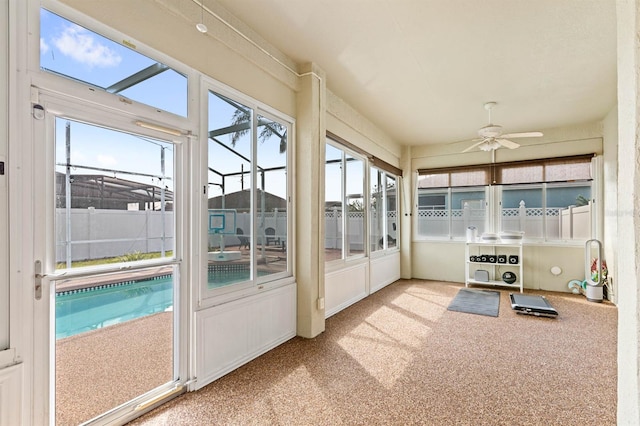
{"points": [[491, 137]]}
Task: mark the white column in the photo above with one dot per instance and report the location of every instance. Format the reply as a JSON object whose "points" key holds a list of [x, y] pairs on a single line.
{"points": [[628, 211]]}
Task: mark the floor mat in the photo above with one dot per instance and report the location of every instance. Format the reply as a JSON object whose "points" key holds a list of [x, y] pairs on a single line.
{"points": [[480, 302]]}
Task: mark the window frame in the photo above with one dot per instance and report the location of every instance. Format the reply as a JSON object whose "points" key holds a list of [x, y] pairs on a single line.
{"points": [[369, 163], [344, 152], [68, 86], [384, 175], [212, 296], [494, 195]]}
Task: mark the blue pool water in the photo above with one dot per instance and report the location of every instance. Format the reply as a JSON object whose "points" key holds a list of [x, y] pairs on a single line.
{"points": [[100, 307], [93, 308]]}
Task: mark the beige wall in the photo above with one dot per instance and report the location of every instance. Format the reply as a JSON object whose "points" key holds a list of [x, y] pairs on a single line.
{"points": [[556, 142], [347, 123]]}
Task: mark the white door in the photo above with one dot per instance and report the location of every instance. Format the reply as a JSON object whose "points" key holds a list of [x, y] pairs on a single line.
{"points": [[107, 249]]}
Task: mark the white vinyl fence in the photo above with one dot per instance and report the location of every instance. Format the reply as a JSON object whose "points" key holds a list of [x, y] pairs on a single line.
{"points": [[103, 233], [568, 223]]}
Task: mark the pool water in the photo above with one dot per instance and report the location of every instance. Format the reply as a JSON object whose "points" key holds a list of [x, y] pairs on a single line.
{"points": [[96, 308]]}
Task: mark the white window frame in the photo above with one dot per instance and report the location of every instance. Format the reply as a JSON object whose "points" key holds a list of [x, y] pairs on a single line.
{"points": [[386, 249], [207, 297]]}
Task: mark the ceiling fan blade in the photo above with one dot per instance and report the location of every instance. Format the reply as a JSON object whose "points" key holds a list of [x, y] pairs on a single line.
{"points": [[474, 145], [523, 135], [507, 143]]}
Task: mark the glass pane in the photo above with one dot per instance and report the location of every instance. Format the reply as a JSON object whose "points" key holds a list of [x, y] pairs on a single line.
{"points": [[114, 340], [354, 201], [114, 196], [75, 52], [392, 212], [376, 207], [230, 234], [522, 210], [272, 196], [433, 213], [569, 212], [468, 208], [333, 204]]}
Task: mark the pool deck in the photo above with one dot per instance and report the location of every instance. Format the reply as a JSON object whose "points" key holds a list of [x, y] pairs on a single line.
{"points": [[273, 257]]}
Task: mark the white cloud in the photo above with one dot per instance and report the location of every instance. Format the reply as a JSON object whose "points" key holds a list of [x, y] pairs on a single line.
{"points": [[106, 160], [81, 45], [44, 47]]}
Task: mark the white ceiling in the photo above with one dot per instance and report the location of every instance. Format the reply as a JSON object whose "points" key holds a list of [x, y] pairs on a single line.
{"points": [[421, 70]]}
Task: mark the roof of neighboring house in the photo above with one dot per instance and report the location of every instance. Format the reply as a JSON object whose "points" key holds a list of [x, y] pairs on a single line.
{"points": [[240, 201]]}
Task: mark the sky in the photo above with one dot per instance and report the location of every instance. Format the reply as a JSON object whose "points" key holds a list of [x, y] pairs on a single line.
{"points": [[73, 51]]}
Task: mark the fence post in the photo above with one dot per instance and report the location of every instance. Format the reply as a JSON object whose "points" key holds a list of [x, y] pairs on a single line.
{"points": [[91, 224], [522, 214], [335, 226]]}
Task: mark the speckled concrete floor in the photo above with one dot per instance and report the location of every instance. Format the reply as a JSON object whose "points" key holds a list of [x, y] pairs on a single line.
{"points": [[400, 357], [101, 369]]}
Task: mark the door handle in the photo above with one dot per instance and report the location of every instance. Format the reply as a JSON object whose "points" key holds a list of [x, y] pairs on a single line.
{"points": [[38, 279]]}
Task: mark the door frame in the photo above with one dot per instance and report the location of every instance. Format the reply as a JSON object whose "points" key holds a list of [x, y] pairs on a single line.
{"points": [[42, 185]]}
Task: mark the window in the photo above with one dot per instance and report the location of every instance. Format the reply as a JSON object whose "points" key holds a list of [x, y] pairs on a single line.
{"points": [[114, 196], [74, 52], [352, 222], [549, 199], [383, 210], [345, 210], [449, 202], [248, 193]]}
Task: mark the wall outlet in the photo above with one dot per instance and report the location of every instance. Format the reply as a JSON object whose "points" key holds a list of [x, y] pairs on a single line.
{"points": [[321, 303]]}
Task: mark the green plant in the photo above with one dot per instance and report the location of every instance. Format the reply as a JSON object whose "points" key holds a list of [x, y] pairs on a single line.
{"points": [[132, 257], [581, 200]]}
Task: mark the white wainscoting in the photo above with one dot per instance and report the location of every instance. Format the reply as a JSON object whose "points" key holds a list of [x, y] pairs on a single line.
{"points": [[345, 287], [11, 395], [234, 333], [384, 270]]}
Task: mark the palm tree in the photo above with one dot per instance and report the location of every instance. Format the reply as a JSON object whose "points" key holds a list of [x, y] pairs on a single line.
{"points": [[267, 127]]}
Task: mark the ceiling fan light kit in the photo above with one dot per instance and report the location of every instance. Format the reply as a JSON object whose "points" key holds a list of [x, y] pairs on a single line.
{"points": [[491, 137]]}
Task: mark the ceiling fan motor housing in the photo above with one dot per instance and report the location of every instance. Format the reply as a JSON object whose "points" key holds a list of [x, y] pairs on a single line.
{"points": [[490, 131]]}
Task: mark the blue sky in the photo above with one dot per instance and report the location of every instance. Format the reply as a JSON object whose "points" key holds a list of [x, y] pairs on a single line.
{"points": [[78, 53]]}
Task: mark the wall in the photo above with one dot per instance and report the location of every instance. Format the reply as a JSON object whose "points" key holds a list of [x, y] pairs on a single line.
{"points": [[344, 121], [556, 142]]}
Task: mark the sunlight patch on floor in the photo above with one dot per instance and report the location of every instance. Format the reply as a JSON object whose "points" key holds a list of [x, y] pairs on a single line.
{"points": [[385, 343], [430, 308], [298, 397]]}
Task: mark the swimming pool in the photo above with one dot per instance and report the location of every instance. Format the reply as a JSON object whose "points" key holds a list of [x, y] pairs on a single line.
{"points": [[90, 309]]}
